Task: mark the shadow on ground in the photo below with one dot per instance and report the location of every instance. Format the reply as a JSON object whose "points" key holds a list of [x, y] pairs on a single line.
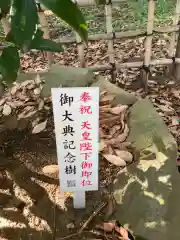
{"points": [[31, 204]]}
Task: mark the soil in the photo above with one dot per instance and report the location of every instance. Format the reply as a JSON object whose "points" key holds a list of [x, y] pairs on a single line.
{"points": [[31, 203]]}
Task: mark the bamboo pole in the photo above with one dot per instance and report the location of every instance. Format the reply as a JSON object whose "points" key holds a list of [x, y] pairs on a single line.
{"points": [[176, 67], [44, 25], [174, 34], [87, 3], [120, 35], [109, 29], [80, 48], [148, 44], [119, 66], [171, 52], [154, 62]]}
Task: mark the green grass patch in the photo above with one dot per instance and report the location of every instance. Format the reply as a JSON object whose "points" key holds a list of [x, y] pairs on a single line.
{"points": [[129, 16]]}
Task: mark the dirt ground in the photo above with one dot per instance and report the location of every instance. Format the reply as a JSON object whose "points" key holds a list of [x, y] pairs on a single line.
{"points": [[31, 204]]}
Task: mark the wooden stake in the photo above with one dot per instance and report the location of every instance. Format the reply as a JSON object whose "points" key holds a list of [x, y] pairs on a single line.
{"points": [[108, 11], [173, 36], [176, 68], [79, 200]]}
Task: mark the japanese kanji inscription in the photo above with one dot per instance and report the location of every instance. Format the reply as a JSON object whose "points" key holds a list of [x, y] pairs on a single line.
{"points": [[76, 118]]}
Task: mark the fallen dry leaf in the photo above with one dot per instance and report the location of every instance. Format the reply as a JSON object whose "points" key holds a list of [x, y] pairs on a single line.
{"points": [[28, 112], [122, 137], [25, 83], [105, 107], [15, 104], [166, 109], [114, 129], [6, 110], [123, 232], [123, 145], [14, 89], [101, 133], [106, 99], [37, 91], [108, 120], [40, 127], [102, 94], [37, 79], [125, 155], [2, 101], [115, 160], [41, 104], [110, 150], [118, 109], [175, 120], [102, 145], [50, 169]]}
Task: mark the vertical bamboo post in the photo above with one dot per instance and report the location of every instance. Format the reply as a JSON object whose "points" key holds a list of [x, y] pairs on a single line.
{"points": [[176, 68], [174, 34], [44, 25], [80, 47], [109, 29], [148, 44]]}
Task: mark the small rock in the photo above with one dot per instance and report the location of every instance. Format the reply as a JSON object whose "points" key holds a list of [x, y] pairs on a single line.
{"points": [[39, 127]]}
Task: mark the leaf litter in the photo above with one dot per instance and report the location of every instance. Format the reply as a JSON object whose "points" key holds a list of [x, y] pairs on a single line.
{"points": [[24, 101]]}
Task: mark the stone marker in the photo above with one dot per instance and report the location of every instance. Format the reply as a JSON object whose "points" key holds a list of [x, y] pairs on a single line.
{"points": [[147, 192]]}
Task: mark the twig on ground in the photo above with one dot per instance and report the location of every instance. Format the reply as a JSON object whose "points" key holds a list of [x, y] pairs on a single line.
{"points": [[68, 237], [97, 233], [91, 217], [102, 205]]}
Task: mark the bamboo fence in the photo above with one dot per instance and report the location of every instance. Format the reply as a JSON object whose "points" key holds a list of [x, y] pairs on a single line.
{"points": [[173, 59]]}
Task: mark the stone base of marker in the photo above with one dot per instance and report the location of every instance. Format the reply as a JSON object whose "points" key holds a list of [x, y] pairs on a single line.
{"points": [[147, 193]]}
